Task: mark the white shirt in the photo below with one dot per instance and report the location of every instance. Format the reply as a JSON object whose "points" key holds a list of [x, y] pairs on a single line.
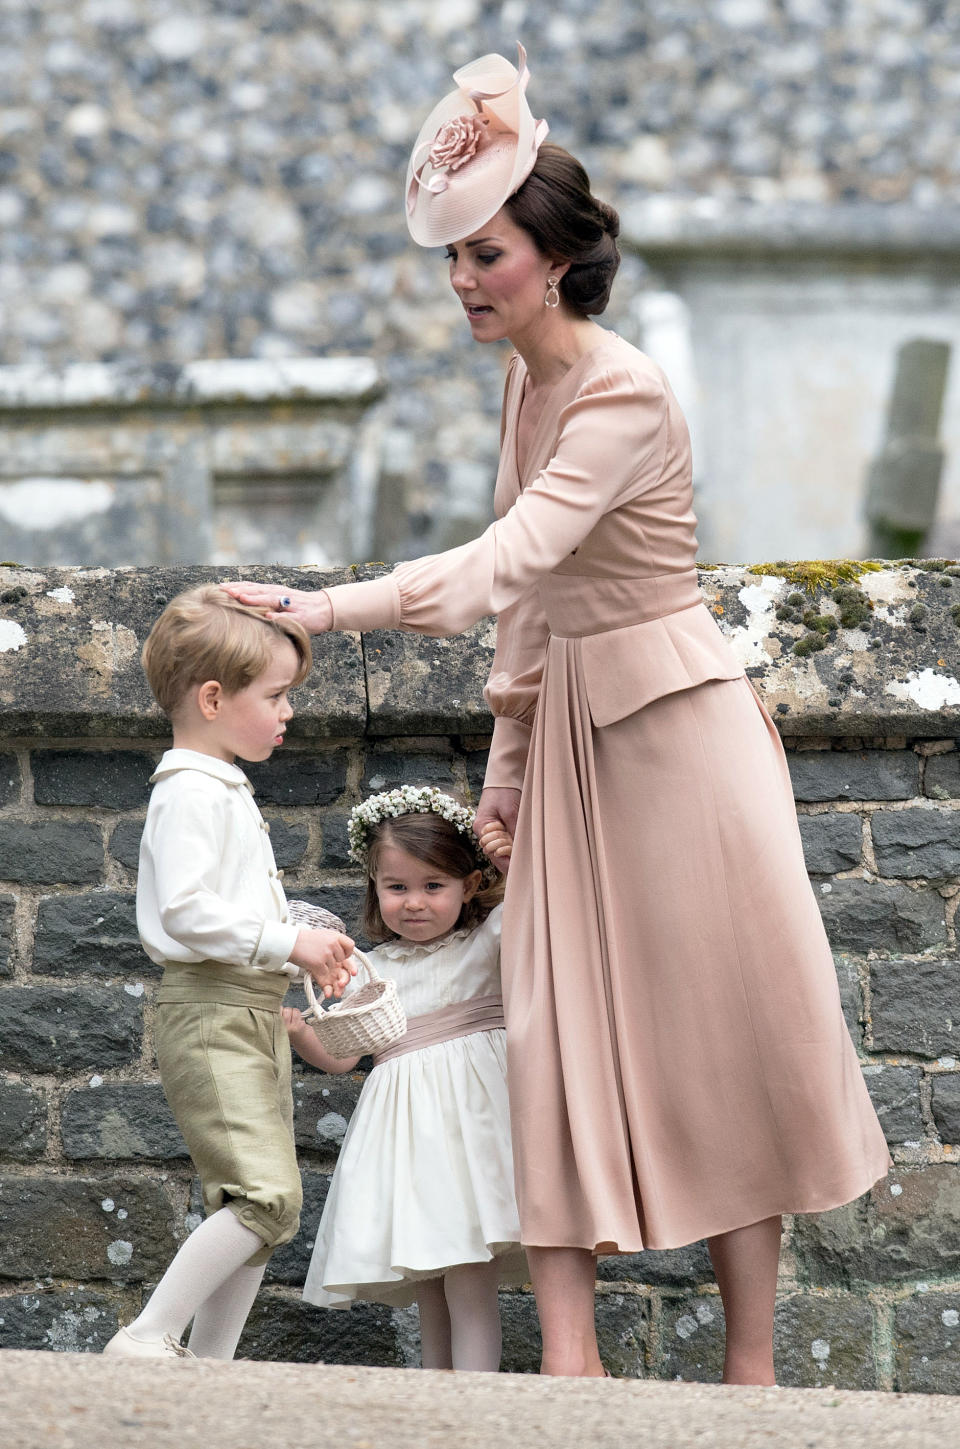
{"points": [[208, 888]]}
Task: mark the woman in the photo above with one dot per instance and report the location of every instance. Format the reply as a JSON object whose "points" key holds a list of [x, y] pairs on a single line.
{"points": [[679, 1064]]}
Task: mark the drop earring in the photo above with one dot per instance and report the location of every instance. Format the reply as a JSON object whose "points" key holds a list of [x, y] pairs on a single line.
{"points": [[552, 299]]}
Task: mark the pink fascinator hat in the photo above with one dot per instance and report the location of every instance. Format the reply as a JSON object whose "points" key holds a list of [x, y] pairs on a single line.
{"points": [[473, 151]]}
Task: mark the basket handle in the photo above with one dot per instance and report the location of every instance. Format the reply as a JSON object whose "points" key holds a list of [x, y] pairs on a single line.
{"points": [[315, 1009]]}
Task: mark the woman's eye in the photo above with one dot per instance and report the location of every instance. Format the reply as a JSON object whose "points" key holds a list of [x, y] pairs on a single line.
{"points": [[450, 256], [488, 258]]}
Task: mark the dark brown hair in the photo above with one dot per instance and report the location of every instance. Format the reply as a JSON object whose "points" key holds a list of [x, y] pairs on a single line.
{"points": [[568, 224], [437, 843], [204, 634]]}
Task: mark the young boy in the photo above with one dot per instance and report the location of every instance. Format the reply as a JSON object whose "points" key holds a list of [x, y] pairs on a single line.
{"points": [[211, 911]]}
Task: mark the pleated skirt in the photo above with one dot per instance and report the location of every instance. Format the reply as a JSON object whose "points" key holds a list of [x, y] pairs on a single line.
{"points": [[679, 1064]]}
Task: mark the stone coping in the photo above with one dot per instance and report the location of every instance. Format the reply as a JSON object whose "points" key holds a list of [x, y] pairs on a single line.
{"points": [[879, 654], [209, 382], [88, 1402], [682, 227]]}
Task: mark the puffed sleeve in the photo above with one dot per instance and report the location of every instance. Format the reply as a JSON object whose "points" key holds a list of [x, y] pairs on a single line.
{"points": [[611, 446]]}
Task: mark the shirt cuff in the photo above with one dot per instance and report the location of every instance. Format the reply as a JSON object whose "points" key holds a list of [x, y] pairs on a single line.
{"points": [[276, 942], [371, 605], [508, 754]]}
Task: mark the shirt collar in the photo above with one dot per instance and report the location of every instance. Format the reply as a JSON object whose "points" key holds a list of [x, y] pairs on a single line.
{"points": [[174, 760]]}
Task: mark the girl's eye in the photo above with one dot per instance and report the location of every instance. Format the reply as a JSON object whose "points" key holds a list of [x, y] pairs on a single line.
{"points": [[434, 885]]}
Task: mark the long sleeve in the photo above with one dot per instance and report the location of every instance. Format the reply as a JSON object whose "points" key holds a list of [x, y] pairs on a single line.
{"points": [[187, 908], [611, 447], [513, 688]]}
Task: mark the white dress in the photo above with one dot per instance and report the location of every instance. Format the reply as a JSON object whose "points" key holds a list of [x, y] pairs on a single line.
{"points": [[425, 1175]]}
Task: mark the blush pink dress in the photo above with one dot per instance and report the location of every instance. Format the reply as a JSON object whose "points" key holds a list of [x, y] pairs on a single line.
{"points": [[678, 1061]]}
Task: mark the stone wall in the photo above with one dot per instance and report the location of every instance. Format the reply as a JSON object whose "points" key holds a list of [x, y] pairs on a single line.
{"points": [[223, 180], [212, 462], [95, 1189]]}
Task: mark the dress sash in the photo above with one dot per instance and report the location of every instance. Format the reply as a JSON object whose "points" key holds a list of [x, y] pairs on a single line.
{"points": [[462, 1018]]}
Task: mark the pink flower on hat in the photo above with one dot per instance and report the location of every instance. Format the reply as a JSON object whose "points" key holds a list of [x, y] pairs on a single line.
{"points": [[456, 142]]}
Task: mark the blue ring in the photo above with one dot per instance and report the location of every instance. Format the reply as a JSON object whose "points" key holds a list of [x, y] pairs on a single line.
{"points": [[285, 601]]}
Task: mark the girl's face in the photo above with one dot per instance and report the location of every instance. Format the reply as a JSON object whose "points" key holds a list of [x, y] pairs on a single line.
{"points": [[416, 901], [501, 279]]}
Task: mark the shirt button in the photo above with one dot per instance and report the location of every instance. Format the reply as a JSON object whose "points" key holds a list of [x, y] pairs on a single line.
{"points": [[272, 874], [265, 825], [279, 875]]}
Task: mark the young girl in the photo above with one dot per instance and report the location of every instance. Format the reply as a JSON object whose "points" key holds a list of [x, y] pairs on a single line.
{"points": [[421, 1206]]}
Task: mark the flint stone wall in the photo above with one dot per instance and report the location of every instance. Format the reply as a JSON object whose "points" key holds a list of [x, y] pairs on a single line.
{"points": [[95, 1186], [224, 181]]}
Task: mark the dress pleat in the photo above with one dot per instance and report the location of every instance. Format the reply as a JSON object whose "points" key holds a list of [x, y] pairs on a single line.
{"points": [[684, 1009]]}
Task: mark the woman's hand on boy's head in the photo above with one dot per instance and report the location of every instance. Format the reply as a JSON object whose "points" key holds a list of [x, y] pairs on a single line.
{"points": [[310, 607], [325, 955]]}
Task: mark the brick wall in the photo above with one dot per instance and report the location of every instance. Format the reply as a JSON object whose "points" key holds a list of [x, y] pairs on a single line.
{"points": [[95, 1186]]}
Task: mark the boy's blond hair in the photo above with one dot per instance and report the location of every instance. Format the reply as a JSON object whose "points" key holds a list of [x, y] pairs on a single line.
{"points": [[204, 634]]}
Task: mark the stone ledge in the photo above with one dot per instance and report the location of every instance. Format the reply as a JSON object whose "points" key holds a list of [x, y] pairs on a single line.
{"points": [[70, 641], [679, 227], [91, 1401], [209, 382]]}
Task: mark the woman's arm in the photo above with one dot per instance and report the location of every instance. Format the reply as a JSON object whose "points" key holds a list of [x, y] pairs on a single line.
{"points": [[611, 445]]}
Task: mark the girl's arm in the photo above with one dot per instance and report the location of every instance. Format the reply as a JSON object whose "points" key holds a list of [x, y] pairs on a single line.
{"points": [[304, 1041]]}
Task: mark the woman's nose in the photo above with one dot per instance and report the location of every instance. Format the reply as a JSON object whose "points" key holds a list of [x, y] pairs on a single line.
{"points": [[462, 278]]}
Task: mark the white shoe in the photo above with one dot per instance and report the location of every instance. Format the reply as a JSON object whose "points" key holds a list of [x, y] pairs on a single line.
{"points": [[124, 1345]]}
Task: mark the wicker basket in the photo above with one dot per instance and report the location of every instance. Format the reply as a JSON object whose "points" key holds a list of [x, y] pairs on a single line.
{"points": [[370, 1019]]}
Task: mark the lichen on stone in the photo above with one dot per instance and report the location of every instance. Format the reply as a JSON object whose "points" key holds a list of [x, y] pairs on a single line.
{"points": [[816, 574]]}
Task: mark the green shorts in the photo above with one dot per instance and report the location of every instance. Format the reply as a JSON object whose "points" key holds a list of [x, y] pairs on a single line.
{"points": [[225, 1069]]}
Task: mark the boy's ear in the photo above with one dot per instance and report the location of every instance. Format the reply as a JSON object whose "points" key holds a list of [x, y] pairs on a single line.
{"points": [[471, 884], [209, 698]]}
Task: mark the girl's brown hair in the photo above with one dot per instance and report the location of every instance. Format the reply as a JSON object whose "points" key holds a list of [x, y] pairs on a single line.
{"points": [[437, 843], [568, 224]]}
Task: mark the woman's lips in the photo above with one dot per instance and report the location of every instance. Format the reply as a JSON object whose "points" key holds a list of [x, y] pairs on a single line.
{"points": [[473, 311]]}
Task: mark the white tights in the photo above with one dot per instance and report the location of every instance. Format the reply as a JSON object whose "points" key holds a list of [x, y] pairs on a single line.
{"points": [[460, 1319], [210, 1281]]}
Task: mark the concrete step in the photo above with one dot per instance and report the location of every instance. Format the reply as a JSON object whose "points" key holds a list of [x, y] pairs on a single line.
{"points": [[83, 1401]]}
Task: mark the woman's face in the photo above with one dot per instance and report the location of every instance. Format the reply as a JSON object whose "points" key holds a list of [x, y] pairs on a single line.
{"points": [[501, 279]]}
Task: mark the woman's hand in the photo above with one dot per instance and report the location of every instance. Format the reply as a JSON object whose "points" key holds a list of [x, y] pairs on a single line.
{"points": [[498, 807], [311, 608]]}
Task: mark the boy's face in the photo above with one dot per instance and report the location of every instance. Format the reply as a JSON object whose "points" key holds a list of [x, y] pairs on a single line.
{"points": [[252, 722]]}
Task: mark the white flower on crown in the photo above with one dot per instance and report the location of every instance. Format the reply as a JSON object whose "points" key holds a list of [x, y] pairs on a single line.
{"points": [[410, 800]]}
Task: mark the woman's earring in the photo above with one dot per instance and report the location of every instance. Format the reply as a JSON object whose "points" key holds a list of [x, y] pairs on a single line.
{"points": [[552, 299]]}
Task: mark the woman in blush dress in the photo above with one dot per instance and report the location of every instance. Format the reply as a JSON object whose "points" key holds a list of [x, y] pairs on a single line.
{"points": [[679, 1066]]}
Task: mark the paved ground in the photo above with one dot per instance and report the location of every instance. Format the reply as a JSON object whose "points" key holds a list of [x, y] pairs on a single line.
{"points": [[79, 1401]]}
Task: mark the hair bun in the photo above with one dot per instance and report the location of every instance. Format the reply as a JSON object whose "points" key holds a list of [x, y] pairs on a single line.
{"points": [[610, 219]]}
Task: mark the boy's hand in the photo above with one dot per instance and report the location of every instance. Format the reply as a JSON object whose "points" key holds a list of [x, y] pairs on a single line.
{"points": [[325, 955], [496, 842]]}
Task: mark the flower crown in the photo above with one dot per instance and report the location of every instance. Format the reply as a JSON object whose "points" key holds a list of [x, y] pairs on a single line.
{"points": [[412, 800]]}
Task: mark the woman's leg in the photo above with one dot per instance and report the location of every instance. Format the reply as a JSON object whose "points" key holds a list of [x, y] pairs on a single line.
{"points": [[474, 1306], [564, 1282], [219, 1320], [745, 1262], [434, 1325]]}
